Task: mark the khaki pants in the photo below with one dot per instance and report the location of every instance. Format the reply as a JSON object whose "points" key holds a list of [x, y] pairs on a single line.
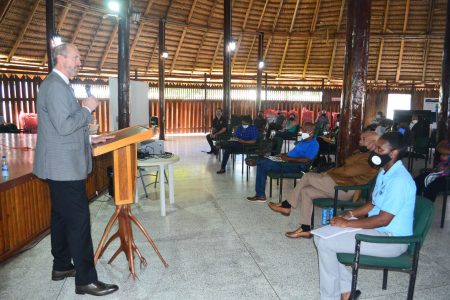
{"points": [[310, 187]]}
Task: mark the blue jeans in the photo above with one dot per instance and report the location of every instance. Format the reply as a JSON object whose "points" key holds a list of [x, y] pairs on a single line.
{"points": [[264, 166]]}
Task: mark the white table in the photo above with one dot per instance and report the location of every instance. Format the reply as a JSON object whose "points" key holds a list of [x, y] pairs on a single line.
{"points": [[162, 163]]}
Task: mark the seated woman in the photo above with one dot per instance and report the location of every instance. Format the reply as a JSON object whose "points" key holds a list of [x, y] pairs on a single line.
{"points": [[290, 130], [431, 182], [390, 213]]}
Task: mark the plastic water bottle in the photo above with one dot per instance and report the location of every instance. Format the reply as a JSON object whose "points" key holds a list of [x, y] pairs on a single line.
{"points": [[330, 215], [325, 216], [4, 166]]}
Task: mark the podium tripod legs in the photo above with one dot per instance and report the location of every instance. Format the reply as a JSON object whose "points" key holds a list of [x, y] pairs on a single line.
{"points": [[124, 216]]}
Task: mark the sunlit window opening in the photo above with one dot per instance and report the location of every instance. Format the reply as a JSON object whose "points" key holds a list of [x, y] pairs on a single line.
{"points": [[399, 102]]}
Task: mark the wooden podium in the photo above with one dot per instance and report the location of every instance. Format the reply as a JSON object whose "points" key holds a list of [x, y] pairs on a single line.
{"points": [[124, 151]]}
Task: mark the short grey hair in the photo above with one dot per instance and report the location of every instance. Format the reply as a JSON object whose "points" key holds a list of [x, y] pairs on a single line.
{"points": [[60, 50]]}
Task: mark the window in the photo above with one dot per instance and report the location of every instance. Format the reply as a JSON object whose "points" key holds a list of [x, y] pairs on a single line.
{"points": [[399, 102]]}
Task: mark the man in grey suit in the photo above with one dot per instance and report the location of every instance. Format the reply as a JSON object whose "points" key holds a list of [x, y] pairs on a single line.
{"points": [[63, 158]]}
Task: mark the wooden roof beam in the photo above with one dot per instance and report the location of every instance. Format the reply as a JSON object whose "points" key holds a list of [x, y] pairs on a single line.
{"points": [[92, 43], [156, 40], [139, 30], [5, 10], [108, 47], [380, 53], [427, 42], [77, 30], [338, 27], [286, 46], [213, 62], [255, 36], [310, 42], [23, 31], [402, 42], [58, 28], [274, 26], [183, 34], [247, 13], [204, 35]]}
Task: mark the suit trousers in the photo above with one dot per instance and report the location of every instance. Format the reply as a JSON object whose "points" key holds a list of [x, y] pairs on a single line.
{"points": [[71, 230], [334, 278], [310, 187]]}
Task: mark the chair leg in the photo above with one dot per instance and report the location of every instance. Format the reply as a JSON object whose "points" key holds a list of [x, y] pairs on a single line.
{"points": [[143, 183], [355, 270], [412, 277], [444, 208], [271, 187], [312, 219], [385, 276], [281, 190]]}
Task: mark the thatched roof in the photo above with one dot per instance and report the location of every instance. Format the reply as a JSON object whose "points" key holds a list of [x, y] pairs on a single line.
{"points": [[304, 39]]}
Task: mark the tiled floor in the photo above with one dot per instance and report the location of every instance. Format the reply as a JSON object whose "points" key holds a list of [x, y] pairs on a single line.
{"points": [[218, 246]]}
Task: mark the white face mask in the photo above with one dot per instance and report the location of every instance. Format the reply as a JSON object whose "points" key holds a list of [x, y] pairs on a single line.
{"points": [[305, 135], [337, 124], [244, 126]]}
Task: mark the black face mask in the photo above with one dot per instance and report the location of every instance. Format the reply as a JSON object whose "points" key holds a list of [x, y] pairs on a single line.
{"points": [[324, 115], [379, 160], [292, 119], [363, 149]]}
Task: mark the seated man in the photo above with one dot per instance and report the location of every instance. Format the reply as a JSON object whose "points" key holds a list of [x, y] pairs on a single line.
{"points": [[260, 122], [245, 134], [390, 213], [304, 152], [278, 124], [356, 170], [218, 127]]}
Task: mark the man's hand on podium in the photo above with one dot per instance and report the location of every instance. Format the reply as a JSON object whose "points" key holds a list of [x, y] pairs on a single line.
{"points": [[101, 138]]}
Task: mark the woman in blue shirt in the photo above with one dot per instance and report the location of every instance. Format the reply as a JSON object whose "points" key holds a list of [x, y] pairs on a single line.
{"points": [[390, 213]]}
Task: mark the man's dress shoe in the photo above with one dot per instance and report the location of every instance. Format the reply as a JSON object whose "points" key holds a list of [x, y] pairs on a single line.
{"points": [[299, 233], [96, 289], [278, 208], [60, 275]]}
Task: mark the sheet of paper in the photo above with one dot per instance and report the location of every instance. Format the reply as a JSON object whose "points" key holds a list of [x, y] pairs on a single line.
{"points": [[329, 231]]}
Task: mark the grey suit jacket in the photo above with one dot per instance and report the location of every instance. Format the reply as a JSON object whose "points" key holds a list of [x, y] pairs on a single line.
{"points": [[63, 150]]}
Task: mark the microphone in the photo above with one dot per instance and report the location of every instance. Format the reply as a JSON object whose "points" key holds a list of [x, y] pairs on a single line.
{"points": [[87, 87]]}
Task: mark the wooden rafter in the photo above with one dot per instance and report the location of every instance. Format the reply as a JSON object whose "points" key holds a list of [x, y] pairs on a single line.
{"points": [[288, 39], [402, 42], [310, 41], [274, 26], [254, 37], [156, 40], [380, 53], [108, 47], [58, 28], [23, 31], [204, 35], [139, 30], [213, 62], [183, 35], [333, 54], [427, 42], [77, 30], [92, 43], [240, 36], [5, 10]]}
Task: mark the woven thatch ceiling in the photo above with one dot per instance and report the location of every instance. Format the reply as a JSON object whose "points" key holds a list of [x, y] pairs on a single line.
{"points": [[304, 39]]}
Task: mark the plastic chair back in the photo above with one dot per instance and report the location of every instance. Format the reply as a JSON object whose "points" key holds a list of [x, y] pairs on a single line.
{"points": [[423, 217]]}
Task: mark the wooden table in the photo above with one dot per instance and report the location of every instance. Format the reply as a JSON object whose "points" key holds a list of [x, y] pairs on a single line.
{"points": [[25, 199]]}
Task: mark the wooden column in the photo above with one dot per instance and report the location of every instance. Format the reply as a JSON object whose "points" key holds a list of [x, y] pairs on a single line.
{"points": [[50, 30], [226, 102], [161, 79], [260, 70], [205, 104], [124, 66], [444, 93], [355, 77], [265, 84]]}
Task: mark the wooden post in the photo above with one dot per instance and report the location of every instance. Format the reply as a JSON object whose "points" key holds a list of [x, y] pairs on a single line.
{"points": [[260, 70], [161, 79], [50, 30], [355, 77], [444, 94], [226, 102], [205, 104], [124, 66]]}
